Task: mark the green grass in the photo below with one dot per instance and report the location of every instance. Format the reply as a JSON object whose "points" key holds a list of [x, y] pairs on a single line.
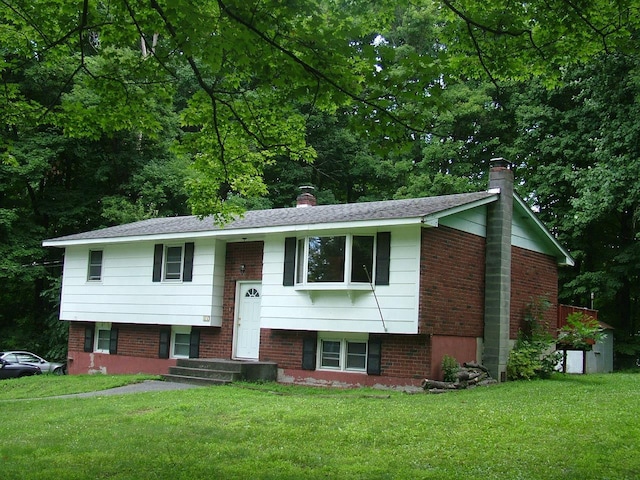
{"points": [[569, 427], [51, 385]]}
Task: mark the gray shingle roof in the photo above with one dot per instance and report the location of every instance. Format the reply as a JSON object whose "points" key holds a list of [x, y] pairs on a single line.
{"points": [[343, 213]]}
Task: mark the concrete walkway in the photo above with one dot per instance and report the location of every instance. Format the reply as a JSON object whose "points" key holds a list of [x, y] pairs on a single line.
{"points": [[146, 386]]}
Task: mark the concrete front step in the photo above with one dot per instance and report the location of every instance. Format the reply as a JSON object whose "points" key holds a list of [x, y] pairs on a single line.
{"points": [[204, 371], [194, 380], [211, 363]]}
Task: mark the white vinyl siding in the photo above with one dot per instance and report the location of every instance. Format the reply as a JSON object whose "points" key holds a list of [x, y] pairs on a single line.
{"points": [[346, 309], [127, 293]]}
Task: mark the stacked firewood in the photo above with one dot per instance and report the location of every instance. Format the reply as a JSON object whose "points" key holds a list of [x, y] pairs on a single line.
{"points": [[471, 374]]}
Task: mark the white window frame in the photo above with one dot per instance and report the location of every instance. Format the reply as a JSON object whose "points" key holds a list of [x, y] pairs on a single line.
{"points": [[102, 327], [179, 330], [302, 261], [91, 278], [165, 260], [344, 340]]}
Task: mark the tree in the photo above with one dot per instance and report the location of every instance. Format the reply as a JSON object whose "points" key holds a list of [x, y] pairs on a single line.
{"points": [[53, 184], [577, 146], [248, 60], [93, 90]]}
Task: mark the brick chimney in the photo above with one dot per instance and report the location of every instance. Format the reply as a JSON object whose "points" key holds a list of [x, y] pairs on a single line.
{"points": [[497, 299], [306, 197]]}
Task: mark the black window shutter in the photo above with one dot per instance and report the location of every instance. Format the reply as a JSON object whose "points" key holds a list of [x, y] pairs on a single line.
{"points": [[374, 357], [113, 341], [194, 343], [157, 262], [383, 255], [289, 262], [187, 270], [165, 340], [309, 353], [88, 338]]}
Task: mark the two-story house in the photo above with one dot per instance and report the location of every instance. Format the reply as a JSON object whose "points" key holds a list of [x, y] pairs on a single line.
{"points": [[353, 294]]}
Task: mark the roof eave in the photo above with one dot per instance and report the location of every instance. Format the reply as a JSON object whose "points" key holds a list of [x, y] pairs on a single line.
{"points": [[240, 233]]}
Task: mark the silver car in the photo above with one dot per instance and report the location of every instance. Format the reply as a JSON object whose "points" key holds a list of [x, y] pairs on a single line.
{"points": [[28, 358]]}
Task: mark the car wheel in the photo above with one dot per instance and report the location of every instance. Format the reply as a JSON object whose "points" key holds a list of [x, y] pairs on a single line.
{"points": [[58, 371]]}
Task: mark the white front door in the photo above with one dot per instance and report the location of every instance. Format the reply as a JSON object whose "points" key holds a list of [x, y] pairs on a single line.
{"points": [[248, 320]]}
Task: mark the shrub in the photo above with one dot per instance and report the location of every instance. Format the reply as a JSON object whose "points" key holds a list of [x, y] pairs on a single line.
{"points": [[450, 368], [533, 355], [531, 359], [581, 331]]}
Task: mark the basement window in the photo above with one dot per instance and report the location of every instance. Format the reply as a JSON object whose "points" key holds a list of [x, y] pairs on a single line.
{"points": [[343, 354], [180, 342], [102, 337]]}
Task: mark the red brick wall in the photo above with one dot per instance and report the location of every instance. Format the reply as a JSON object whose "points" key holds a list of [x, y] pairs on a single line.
{"points": [[403, 356], [76, 336], [138, 340], [407, 356], [451, 283], [138, 347], [283, 346], [533, 275], [463, 349], [133, 340]]}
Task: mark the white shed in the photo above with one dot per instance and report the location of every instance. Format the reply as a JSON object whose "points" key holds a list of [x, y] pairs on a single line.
{"points": [[597, 360]]}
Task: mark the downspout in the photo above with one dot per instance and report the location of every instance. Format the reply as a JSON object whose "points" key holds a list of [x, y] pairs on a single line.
{"points": [[497, 296]]}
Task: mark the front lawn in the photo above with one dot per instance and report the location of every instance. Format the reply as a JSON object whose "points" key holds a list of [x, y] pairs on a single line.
{"points": [[39, 386], [569, 427]]}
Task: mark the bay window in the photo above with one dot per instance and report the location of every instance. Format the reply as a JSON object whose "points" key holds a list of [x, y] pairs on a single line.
{"points": [[335, 259]]}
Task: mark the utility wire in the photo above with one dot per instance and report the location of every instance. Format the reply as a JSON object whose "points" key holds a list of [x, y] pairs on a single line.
{"points": [[366, 270]]}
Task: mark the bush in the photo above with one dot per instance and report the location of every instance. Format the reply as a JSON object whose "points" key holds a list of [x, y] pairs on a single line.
{"points": [[450, 368], [531, 359], [581, 331], [533, 355]]}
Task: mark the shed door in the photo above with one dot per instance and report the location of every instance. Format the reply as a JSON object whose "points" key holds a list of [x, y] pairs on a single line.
{"points": [[247, 324]]}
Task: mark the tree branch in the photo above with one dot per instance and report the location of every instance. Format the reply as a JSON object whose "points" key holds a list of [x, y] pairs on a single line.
{"points": [[314, 71], [589, 24], [481, 58], [485, 28]]}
